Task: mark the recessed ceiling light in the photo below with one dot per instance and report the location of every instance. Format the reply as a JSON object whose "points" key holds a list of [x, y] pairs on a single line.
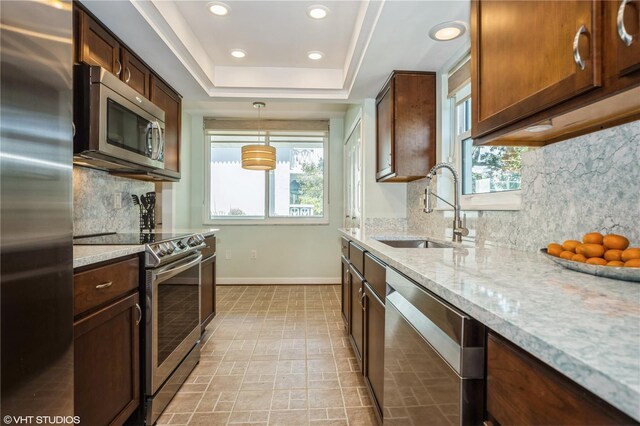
{"points": [[318, 11], [219, 9], [448, 31], [238, 53], [315, 55]]}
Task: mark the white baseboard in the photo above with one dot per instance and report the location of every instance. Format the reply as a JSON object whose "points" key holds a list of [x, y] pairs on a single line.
{"points": [[272, 281]]}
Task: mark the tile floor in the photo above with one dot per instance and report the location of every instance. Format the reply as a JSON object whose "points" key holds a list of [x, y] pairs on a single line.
{"points": [[276, 355]]}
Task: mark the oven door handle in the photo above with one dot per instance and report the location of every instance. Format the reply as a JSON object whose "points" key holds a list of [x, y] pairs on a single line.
{"points": [[165, 274]]}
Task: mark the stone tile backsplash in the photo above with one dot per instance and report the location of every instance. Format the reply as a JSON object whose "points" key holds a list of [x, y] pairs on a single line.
{"points": [[93, 202], [589, 183]]}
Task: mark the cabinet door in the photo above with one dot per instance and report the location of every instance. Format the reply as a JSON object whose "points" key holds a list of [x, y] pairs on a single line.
{"points": [[135, 73], [356, 324], [623, 24], [106, 377], [207, 292], [385, 132], [524, 60], [374, 345], [346, 290], [170, 102], [96, 46]]}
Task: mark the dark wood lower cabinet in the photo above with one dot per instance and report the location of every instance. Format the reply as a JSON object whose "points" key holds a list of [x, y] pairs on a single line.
{"points": [[521, 390], [207, 291], [356, 323], [374, 312], [346, 290], [106, 376]]}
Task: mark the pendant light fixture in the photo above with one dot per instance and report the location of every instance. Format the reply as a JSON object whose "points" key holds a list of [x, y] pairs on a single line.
{"points": [[258, 157]]}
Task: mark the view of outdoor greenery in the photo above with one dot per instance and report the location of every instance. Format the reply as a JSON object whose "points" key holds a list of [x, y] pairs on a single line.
{"points": [[493, 168], [311, 190]]}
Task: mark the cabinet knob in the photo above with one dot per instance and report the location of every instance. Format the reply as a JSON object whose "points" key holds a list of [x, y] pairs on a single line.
{"points": [[626, 38], [577, 58]]}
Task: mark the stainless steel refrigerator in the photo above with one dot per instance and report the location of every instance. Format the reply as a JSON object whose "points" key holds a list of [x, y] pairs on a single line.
{"points": [[36, 251]]}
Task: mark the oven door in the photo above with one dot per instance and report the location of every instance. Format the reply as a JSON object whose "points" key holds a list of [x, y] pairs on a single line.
{"points": [[173, 318]]}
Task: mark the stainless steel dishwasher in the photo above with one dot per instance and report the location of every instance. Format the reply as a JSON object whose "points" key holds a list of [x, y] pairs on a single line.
{"points": [[433, 359]]}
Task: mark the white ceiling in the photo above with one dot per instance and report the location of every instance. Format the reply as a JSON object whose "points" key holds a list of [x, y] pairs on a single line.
{"points": [[363, 41]]}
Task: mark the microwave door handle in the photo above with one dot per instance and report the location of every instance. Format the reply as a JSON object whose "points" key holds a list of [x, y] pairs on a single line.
{"points": [[155, 151], [150, 140], [161, 142]]}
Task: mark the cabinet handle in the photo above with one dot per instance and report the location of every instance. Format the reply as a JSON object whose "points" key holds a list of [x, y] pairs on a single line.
{"points": [[139, 314], [119, 67], [626, 38], [576, 47], [487, 423], [128, 75], [105, 285]]}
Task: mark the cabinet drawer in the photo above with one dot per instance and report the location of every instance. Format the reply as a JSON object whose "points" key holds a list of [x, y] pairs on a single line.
{"points": [[210, 249], [356, 256], [375, 273], [97, 286], [522, 390], [345, 247]]}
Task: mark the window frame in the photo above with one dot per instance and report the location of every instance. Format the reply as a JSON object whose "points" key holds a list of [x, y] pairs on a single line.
{"points": [[504, 200], [267, 219]]}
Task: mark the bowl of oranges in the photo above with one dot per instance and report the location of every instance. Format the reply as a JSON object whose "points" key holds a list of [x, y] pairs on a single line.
{"points": [[602, 255]]}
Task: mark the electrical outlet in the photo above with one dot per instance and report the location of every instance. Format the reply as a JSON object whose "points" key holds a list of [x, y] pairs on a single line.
{"points": [[117, 200], [254, 254], [227, 255]]}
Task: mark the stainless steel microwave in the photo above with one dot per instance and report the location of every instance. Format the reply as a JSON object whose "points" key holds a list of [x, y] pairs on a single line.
{"points": [[116, 128]]}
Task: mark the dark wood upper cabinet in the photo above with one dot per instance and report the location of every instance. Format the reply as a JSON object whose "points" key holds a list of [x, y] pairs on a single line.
{"points": [[522, 390], [374, 313], [94, 44], [136, 74], [406, 126], [167, 99], [524, 60], [556, 62], [625, 37]]}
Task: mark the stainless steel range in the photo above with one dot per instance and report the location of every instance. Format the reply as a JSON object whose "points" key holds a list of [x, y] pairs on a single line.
{"points": [[170, 286]]}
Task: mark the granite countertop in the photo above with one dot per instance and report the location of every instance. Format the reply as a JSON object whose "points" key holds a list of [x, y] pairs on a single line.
{"points": [[586, 327], [89, 255]]}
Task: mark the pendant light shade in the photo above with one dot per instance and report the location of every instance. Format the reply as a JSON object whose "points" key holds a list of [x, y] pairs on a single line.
{"points": [[258, 157]]}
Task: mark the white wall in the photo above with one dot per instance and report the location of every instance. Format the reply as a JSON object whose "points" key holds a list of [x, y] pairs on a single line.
{"points": [[286, 254], [380, 200]]}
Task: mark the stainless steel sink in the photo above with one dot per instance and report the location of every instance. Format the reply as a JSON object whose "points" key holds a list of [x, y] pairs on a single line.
{"points": [[413, 243]]}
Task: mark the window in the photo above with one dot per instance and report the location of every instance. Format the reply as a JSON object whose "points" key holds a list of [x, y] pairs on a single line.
{"points": [[490, 175], [295, 192]]}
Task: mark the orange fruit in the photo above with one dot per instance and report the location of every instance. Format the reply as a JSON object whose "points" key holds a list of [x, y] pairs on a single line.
{"points": [[554, 249], [579, 258], [633, 263], [567, 254], [614, 241], [580, 249], [570, 245], [630, 253], [592, 238], [596, 261], [612, 254], [592, 250], [615, 263]]}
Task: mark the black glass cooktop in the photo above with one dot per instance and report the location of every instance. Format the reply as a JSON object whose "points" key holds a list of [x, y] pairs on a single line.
{"points": [[124, 239]]}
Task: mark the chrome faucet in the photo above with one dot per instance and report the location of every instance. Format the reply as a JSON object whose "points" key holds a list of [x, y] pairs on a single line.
{"points": [[459, 229]]}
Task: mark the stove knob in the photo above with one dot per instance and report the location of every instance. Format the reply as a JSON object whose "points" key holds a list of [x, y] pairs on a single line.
{"points": [[182, 245], [159, 250], [193, 241], [168, 247], [201, 238]]}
